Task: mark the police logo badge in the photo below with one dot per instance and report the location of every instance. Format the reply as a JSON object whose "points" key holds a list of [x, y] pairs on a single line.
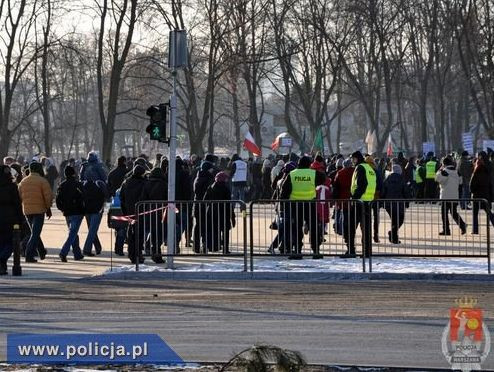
{"points": [[466, 341]]}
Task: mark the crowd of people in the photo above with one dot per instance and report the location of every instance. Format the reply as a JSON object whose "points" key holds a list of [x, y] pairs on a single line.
{"points": [[81, 188]]}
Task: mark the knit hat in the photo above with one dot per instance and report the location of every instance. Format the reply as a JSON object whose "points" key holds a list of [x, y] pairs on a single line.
{"points": [[288, 167], [318, 166], [138, 170], [304, 162], [358, 155], [396, 169], [69, 171], [221, 177], [36, 167]]}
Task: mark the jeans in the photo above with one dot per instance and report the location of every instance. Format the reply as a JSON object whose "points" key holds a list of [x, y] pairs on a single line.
{"points": [[120, 234], [238, 191], [35, 222], [73, 223], [94, 221], [465, 195]]}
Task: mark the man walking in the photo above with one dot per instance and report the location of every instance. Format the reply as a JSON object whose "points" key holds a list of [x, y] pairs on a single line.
{"points": [[70, 201], [37, 197]]}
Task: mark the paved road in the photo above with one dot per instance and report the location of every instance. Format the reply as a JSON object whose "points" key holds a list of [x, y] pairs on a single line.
{"points": [[371, 323]]}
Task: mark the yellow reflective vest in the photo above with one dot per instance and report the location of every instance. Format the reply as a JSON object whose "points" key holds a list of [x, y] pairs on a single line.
{"points": [[303, 184], [417, 177], [370, 175], [430, 169]]}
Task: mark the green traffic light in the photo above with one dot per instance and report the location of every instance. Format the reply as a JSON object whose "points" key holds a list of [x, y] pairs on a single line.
{"points": [[156, 133]]}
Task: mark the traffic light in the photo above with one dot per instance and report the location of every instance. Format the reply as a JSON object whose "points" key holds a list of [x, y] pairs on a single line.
{"points": [[157, 122]]}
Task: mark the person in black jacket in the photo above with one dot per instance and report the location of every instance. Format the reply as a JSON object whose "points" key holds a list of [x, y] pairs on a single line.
{"points": [[117, 176], [130, 194], [94, 193], [70, 201], [183, 192], [220, 215], [10, 215], [394, 187], [155, 189], [480, 187], [202, 181]]}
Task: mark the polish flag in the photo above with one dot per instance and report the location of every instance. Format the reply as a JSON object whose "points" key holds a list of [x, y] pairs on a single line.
{"points": [[389, 150], [276, 144], [250, 144]]}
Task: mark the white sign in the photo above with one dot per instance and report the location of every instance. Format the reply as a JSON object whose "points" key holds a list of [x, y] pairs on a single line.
{"points": [[488, 144], [286, 142], [428, 147], [468, 142]]}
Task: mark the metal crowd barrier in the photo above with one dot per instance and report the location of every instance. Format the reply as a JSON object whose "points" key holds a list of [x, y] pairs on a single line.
{"points": [[307, 228], [294, 229], [431, 228], [203, 228]]}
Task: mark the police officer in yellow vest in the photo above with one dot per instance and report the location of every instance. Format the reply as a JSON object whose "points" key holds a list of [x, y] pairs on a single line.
{"points": [[301, 185], [428, 175], [419, 178], [364, 184]]}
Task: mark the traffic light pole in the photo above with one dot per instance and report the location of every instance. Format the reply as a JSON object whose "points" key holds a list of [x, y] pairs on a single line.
{"points": [[171, 216]]}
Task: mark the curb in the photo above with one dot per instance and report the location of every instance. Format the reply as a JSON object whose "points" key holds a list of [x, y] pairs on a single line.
{"points": [[291, 276]]}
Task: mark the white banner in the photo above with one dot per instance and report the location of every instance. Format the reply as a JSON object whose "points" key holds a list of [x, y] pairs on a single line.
{"points": [[488, 144], [468, 142], [428, 147]]}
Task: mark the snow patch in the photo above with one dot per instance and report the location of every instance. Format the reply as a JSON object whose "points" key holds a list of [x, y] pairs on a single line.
{"points": [[329, 265]]}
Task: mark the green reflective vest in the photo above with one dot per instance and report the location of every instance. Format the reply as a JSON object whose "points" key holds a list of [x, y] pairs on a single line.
{"points": [[303, 184], [430, 169], [418, 178], [370, 175]]}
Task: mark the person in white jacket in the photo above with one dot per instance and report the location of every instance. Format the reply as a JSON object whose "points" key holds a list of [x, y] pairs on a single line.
{"points": [[449, 181]]}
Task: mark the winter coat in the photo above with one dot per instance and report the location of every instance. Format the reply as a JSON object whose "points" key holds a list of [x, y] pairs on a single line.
{"points": [[10, 204], [203, 180], [276, 171], [92, 170], [183, 184], [449, 182], [69, 198], [116, 178], [51, 175], [156, 186], [36, 194], [94, 196], [221, 213], [343, 183], [480, 182], [394, 187], [465, 169], [130, 194], [323, 193]]}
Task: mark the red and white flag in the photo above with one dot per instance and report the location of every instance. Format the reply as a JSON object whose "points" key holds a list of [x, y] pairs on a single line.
{"points": [[389, 150], [276, 144], [250, 145]]}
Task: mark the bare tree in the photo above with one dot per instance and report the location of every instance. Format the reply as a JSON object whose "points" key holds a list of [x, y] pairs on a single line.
{"points": [[124, 14], [17, 54]]}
